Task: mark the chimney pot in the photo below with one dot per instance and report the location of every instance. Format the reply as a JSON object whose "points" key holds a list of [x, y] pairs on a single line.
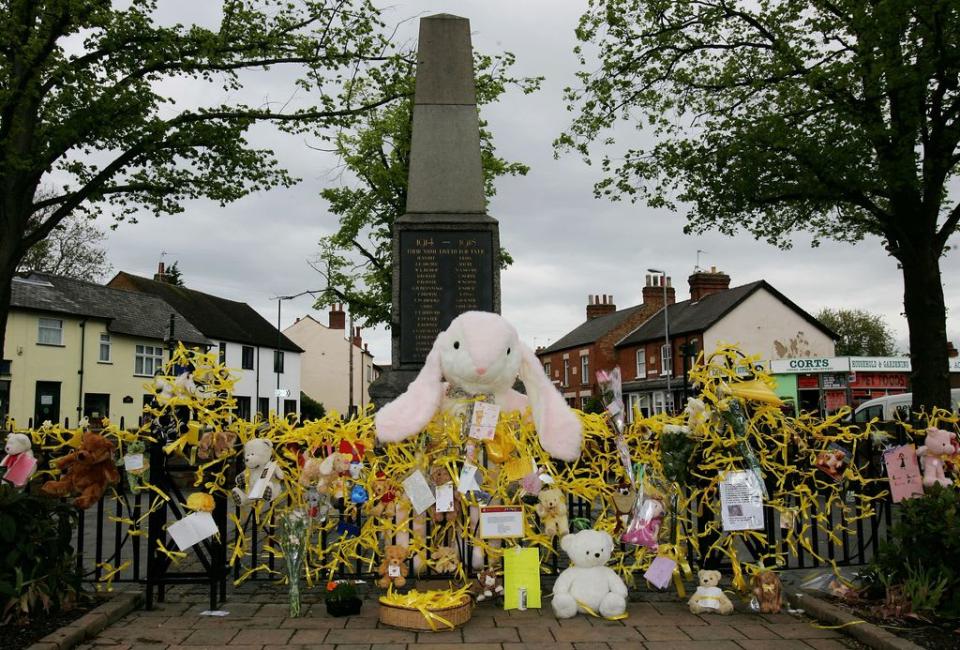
{"points": [[600, 305], [704, 283]]}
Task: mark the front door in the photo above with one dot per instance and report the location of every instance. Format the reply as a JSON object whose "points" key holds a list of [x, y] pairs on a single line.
{"points": [[47, 405], [96, 406]]}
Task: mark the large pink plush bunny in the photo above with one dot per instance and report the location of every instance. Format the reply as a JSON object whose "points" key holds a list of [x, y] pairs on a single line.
{"points": [[480, 352]]}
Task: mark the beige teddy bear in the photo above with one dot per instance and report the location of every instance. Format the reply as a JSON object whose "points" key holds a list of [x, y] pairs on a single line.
{"points": [[552, 510], [709, 597]]}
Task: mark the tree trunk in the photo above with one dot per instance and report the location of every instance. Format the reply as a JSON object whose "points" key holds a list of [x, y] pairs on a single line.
{"points": [[8, 267], [927, 320]]}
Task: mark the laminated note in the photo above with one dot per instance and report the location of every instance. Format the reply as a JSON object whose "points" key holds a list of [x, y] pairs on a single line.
{"points": [[483, 420], [741, 502], [193, 529], [445, 497], [467, 480], [500, 522], [418, 491], [20, 471], [904, 472]]}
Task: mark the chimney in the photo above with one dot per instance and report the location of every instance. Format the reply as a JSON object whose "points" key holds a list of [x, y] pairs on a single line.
{"points": [[357, 341], [951, 350], [160, 275], [338, 319], [599, 306], [704, 283], [653, 291]]}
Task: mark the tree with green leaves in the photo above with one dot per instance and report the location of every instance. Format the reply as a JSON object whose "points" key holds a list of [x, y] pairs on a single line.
{"points": [[174, 275], [838, 118], [356, 259], [74, 248], [862, 334], [85, 104]]}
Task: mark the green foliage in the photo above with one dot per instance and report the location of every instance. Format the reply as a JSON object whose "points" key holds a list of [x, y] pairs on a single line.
{"points": [[924, 589], [861, 333], [340, 590], [593, 405], [310, 409], [37, 564], [84, 110], [925, 549], [838, 119], [174, 275], [356, 259], [74, 248]]}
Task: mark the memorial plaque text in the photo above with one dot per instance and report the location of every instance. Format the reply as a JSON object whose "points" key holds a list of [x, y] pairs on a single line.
{"points": [[443, 273]]}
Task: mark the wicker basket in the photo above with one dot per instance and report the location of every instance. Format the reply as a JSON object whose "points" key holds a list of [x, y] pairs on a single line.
{"points": [[411, 619]]}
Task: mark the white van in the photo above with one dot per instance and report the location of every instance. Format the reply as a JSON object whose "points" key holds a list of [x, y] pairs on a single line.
{"points": [[886, 407]]}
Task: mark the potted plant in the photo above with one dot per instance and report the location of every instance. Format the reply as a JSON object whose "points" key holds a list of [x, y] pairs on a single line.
{"points": [[341, 598]]}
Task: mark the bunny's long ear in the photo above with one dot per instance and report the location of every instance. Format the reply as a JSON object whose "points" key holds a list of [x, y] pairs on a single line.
{"points": [[411, 412], [557, 425]]}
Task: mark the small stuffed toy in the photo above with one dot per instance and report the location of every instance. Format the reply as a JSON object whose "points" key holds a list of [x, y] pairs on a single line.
{"points": [[393, 569], [214, 444], [440, 475], [258, 457], [624, 498], [488, 585], [136, 454], [19, 463], [86, 472], [481, 353], [709, 598], [939, 449], [384, 501], [446, 559], [318, 504], [766, 588], [552, 510], [588, 581]]}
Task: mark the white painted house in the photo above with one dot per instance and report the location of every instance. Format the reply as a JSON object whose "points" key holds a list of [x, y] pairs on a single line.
{"points": [[258, 354], [325, 371]]}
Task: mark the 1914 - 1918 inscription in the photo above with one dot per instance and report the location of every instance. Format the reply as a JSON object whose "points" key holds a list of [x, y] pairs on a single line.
{"points": [[443, 273]]}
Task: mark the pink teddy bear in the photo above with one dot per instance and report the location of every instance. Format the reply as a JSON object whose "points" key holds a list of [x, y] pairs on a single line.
{"points": [[940, 447]]}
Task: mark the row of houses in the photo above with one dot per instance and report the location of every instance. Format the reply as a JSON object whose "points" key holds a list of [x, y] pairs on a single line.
{"points": [[79, 349], [655, 343]]}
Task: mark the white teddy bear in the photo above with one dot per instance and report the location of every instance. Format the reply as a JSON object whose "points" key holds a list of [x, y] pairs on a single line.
{"points": [[18, 448], [588, 582], [258, 457]]}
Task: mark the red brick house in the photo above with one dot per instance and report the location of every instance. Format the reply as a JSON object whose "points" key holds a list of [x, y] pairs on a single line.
{"points": [[573, 360]]}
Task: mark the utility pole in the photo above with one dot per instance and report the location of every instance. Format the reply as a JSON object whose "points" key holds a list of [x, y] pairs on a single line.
{"points": [[351, 405]]}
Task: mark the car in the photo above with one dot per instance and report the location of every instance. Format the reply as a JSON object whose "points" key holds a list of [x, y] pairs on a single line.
{"points": [[886, 408]]}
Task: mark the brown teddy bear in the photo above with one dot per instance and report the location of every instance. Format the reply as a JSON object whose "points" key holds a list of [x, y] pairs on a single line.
{"points": [[214, 444], [440, 475], [86, 472], [384, 501], [488, 585], [393, 569], [766, 588]]}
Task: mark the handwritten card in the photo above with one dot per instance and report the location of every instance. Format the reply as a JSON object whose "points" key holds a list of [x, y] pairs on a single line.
{"points": [[501, 522], [192, 529], [418, 491], [521, 570], [660, 572], [904, 472], [468, 479], [483, 421], [133, 462], [445, 497]]}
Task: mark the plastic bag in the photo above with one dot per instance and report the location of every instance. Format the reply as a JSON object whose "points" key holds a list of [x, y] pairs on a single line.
{"points": [[644, 527]]}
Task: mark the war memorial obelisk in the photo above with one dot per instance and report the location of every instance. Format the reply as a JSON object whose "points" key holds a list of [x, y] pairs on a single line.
{"points": [[446, 247]]}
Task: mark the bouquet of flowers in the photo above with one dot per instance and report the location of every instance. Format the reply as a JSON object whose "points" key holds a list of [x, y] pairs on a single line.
{"points": [[611, 394], [292, 537]]}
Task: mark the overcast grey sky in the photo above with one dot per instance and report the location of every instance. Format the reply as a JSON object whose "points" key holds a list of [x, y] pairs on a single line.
{"points": [[565, 243]]}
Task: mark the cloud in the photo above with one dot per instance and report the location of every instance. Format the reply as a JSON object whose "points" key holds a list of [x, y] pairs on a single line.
{"points": [[566, 243]]}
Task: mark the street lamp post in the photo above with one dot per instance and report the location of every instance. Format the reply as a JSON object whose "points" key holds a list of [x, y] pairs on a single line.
{"points": [[668, 401], [276, 353]]}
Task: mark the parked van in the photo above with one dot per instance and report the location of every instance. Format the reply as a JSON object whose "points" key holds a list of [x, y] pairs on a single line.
{"points": [[886, 407]]}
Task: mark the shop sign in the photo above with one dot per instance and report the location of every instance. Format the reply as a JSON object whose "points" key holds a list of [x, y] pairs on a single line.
{"points": [[810, 364], [808, 381], [879, 380], [831, 380], [955, 364], [880, 364]]}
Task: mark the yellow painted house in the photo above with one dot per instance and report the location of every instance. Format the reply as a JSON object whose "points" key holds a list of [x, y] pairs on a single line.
{"points": [[76, 348]]}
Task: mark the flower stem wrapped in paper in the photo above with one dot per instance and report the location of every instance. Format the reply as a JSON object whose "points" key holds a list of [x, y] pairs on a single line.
{"points": [[611, 394], [292, 537]]}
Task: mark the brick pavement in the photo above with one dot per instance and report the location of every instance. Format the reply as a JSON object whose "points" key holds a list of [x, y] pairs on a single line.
{"points": [[258, 621]]}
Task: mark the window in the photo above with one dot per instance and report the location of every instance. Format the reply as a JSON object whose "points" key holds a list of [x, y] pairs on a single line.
{"points": [[659, 399], [641, 364], [369, 374], [278, 361], [289, 406], [546, 368], [246, 360], [585, 369], [148, 360], [566, 372], [104, 348], [50, 331], [243, 408], [223, 352], [263, 407], [666, 360], [633, 401]]}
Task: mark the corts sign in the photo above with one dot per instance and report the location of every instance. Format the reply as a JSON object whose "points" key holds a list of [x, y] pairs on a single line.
{"points": [[810, 364]]}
